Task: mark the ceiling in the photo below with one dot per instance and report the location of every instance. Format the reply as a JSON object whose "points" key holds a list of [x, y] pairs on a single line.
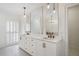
{"points": [[17, 8]]}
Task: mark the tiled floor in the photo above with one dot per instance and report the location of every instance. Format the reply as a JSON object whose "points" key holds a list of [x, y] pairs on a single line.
{"points": [[12, 51]]}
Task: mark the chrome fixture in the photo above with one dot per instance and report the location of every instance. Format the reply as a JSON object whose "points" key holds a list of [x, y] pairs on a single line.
{"points": [[54, 11], [24, 12], [53, 21]]}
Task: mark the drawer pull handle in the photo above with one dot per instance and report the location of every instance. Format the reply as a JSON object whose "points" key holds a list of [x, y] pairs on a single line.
{"points": [[20, 38], [32, 40], [44, 45]]}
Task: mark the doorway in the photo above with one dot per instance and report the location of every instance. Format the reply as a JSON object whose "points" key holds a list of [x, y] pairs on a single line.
{"points": [[73, 30]]}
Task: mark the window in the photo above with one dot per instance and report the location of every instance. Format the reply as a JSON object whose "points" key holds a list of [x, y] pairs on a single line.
{"points": [[12, 30]]}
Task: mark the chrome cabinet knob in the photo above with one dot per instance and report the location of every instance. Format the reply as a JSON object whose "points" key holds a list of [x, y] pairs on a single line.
{"points": [[32, 45]]}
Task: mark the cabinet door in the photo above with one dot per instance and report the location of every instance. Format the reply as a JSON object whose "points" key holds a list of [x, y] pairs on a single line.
{"points": [[50, 49], [39, 48], [33, 47], [22, 42], [27, 45]]}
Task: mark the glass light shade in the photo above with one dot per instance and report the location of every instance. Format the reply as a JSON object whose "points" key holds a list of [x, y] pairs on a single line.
{"points": [[54, 11], [24, 16], [53, 21], [48, 6]]}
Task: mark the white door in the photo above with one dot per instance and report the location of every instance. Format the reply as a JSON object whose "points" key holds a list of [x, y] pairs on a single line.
{"points": [[73, 30]]}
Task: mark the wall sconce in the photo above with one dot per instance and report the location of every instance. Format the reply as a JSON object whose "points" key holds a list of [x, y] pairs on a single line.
{"points": [[24, 12], [54, 11], [48, 6]]}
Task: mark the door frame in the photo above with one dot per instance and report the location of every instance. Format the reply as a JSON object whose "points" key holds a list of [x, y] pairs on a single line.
{"points": [[66, 26]]}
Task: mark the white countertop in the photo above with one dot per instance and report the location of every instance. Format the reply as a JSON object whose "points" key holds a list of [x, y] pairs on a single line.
{"points": [[44, 38]]}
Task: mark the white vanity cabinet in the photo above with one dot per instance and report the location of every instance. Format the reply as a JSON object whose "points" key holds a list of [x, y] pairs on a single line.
{"points": [[45, 48], [41, 47], [24, 43], [36, 47], [28, 45]]}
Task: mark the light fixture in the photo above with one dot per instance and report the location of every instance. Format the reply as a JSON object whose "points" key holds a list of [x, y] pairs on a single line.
{"points": [[53, 21], [48, 6], [24, 12], [54, 11]]}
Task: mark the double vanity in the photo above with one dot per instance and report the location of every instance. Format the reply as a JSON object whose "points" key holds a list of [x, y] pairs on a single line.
{"points": [[38, 45], [44, 26]]}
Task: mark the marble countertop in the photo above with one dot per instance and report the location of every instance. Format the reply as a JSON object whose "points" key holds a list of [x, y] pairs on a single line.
{"points": [[44, 38]]}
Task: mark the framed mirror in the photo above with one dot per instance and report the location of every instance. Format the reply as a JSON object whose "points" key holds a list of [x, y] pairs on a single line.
{"points": [[36, 17]]}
